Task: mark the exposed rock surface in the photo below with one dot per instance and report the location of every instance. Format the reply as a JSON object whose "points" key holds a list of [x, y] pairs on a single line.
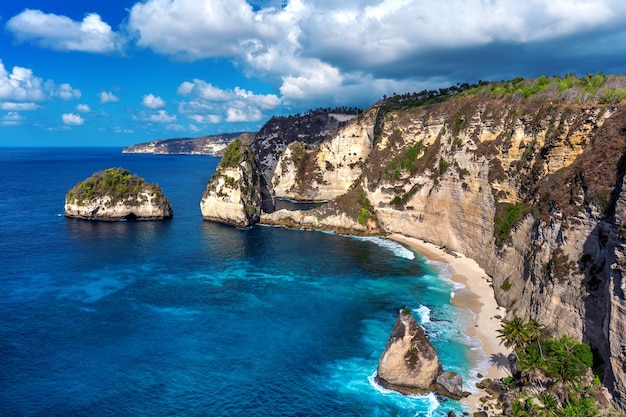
{"points": [[528, 184], [115, 194], [409, 363], [233, 194], [327, 170], [214, 145], [279, 132]]}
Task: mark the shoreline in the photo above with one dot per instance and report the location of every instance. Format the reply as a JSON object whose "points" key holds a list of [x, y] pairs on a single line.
{"points": [[477, 296]]}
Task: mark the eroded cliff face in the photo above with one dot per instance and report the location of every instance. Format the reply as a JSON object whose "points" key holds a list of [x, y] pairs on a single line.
{"points": [[530, 189], [327, 170], [233, 195], [279, 132], [103, 208], [115, 195]]}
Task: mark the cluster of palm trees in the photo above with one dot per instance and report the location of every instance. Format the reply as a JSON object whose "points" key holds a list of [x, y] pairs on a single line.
{"points": [[553, 377]]}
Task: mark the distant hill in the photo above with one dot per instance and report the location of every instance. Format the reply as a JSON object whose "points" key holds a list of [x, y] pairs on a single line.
{"points": [[203, 145]]}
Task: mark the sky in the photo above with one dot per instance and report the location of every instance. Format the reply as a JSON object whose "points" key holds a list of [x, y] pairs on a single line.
{"points": [[120, 72]]}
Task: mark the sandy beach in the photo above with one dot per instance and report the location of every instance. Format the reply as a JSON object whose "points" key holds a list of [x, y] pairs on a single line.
{"points": [[477, 296]]}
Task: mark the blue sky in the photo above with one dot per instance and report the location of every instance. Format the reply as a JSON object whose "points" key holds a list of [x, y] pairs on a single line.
{"points": [[118, 72]]}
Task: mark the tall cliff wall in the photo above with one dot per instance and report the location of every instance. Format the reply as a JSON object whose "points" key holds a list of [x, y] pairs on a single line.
{"points": [[529, 188]]}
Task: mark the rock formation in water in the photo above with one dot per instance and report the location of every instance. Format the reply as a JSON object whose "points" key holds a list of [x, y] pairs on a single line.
{"points": [[116, 194], [234, 193], [525, 176], [409, 363], [214, 145]]}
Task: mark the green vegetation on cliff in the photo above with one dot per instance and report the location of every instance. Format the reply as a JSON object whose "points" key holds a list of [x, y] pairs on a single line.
{"points": [[555, 375], [119, 185]]}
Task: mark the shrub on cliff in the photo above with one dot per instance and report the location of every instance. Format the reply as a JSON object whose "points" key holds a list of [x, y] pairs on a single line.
{"points": [[119, 185]]}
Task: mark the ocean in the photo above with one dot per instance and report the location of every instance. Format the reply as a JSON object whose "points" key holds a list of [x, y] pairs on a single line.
{"points": [[191, 318]]}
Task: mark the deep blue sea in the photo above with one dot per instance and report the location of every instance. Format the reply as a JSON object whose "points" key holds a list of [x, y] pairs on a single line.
{"points": [[191, 318]]}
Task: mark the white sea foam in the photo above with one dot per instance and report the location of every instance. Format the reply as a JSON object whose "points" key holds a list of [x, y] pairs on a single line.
{"points": [[424, 314], [395, 247]]}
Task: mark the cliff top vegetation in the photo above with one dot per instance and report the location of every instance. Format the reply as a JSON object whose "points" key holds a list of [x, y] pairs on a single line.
{"points": [[119, 185]]}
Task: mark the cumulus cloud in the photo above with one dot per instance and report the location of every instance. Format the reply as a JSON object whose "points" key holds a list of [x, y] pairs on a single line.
{"points": [[207, 103], [153, 102], [22, 90], [64, 34], [12, 119], [72, 119], [160, 116], [83, 108], [322, 48], [108, 97], [193, 29]]}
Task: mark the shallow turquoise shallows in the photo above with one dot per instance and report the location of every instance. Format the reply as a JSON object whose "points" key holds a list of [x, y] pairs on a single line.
{"points": [[191, 318]]}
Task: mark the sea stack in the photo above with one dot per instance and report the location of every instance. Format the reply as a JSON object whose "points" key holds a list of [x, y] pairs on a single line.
{"points": [[233, 194], [409, 363], [115, 195]]}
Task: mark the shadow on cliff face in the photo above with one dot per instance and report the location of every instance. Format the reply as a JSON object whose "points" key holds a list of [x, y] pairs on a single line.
{"points": [[604, 300]]}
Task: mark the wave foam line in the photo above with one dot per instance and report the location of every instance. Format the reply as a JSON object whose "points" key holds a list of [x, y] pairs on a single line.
{"points": [[396, 248]]}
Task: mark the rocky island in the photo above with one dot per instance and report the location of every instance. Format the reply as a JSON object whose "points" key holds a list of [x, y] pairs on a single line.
{"points": [[114, 195]]}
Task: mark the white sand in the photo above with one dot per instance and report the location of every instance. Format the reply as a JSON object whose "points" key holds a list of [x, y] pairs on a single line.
{"points": [[479, 298]]}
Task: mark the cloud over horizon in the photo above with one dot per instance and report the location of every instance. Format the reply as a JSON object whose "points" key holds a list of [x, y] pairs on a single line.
{"points": [[220, 62]]}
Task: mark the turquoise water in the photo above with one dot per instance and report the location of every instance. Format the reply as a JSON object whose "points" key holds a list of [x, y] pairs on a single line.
{"points": [[187, 317]]}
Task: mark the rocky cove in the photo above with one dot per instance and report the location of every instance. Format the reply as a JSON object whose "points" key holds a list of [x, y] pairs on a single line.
{"points": [[529, 185]]}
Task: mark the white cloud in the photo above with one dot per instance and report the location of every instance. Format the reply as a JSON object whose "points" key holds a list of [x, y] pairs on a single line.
{"points": [[243, 115], [12, 119], [108, 97], [153, 102], [72, 119], [64, 91], [22, 90], [160, 116], [64, 34], [83, 108], [207, 103], [19, 106], [193, 29], [324, 49]]}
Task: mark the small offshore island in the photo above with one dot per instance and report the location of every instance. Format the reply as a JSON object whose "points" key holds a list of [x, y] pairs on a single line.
{"points": [[116, 195]]}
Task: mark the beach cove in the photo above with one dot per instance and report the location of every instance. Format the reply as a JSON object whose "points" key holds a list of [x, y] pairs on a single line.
{"points": [[477, 296]]}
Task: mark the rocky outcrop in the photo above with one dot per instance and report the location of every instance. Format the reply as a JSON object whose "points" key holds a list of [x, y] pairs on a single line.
{"points": [[325, 171], [116, 194], [233, 194], [279, 132], [409, 363], [214, 145]]}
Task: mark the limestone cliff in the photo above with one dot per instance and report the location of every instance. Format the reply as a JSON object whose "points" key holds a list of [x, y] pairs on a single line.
{"points": [[525, 176], [327, 170], [214, 145], [310, 129], [116, 194], [233, 193]]}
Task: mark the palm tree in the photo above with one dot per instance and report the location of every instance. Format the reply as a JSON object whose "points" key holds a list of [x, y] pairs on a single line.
{"points": [[513, 334], [536, 332]]}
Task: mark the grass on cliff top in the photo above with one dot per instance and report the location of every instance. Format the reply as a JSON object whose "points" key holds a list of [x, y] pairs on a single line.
{"points": [[116, 183], [591, 88]]}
